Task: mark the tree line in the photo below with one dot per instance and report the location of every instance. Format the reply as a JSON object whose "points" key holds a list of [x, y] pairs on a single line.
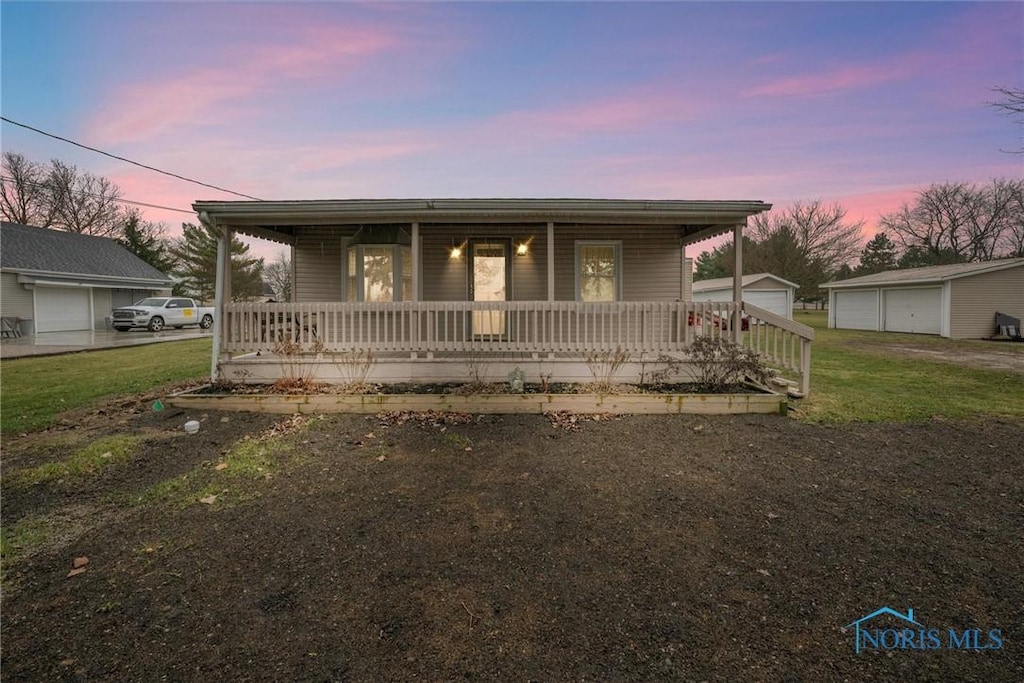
{"points": [[59, 196], [810, 243]]}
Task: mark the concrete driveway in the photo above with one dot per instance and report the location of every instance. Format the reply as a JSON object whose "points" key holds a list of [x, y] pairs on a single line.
{"points": [[53, 343]]}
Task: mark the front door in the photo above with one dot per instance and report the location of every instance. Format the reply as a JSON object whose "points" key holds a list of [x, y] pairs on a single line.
{"points": [[489, 282]]}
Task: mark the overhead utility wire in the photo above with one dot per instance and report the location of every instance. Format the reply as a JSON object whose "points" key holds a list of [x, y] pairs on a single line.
{"points": [[136, 163], [97, 196]]}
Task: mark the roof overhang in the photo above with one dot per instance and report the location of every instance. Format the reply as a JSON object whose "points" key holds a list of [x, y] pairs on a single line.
{"points": [[281, 220], [868, 281], [44, 277]]}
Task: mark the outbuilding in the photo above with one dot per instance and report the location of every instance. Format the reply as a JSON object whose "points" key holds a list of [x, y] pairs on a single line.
{"points": [[763, 290], [57, 281], [959, 301]]}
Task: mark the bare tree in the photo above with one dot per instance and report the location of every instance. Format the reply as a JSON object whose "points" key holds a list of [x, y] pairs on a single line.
{"points": [[84, 203], [279, 274], [961, 221], [25, 195], [1012, 105]]}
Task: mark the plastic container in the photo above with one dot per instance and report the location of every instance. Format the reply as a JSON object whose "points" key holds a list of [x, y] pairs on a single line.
{"points": [[192, 426]]}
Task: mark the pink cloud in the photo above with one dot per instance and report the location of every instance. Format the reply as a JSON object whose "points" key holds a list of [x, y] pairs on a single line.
{"points": [[841, 78], [215, 93]]}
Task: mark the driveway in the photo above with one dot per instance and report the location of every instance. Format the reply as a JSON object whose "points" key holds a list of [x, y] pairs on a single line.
{"points": [[54, 343]]}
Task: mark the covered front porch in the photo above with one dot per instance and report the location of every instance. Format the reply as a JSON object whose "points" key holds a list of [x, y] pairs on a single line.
{"points": [[457, 290]]}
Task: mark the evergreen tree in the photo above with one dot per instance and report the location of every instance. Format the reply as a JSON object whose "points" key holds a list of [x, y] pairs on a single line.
{"points": [[196, 255], [879, 255], [146, 240], [719, 261]]}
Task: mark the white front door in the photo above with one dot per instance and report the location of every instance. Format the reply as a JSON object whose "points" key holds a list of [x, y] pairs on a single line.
{"points": [[63, 309], [489, 283]]}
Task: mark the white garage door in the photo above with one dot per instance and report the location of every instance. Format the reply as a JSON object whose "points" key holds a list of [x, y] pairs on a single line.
{"points": [[62, 309], [774, 300], [913, 310], [857, 310]]}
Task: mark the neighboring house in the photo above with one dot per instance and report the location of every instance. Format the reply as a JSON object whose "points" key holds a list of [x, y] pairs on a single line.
{"points": [[431, 286], [64, 281], [958, 301], [763, 290]]}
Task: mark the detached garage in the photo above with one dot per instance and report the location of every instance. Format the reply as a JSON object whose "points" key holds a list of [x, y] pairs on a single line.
{"points": [[55, 281], [763, 290], [958, 301]]}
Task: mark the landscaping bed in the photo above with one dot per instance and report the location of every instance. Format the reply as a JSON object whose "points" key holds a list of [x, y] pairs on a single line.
{"points": [[439, 546]]}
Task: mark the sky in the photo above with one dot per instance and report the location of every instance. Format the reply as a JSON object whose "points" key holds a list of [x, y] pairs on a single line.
{"points": [[857, 103]]}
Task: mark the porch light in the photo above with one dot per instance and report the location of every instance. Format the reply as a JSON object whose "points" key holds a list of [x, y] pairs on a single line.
{"points": [[523, 248], [456, 252]]}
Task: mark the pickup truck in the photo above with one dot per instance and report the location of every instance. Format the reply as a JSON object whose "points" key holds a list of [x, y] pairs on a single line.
{"points": [[156, 313]]}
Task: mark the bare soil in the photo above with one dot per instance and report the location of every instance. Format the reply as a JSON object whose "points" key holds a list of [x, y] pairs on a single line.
{"points": [[518, 548]]}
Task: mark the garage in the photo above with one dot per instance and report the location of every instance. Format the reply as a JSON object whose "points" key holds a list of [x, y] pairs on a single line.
{"points": [[917, 311], [958, 300], [763, 290], [63, 309], [856, 310]]}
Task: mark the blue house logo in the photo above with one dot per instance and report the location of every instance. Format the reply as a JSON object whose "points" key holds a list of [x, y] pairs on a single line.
{"points": [[913, 635]]}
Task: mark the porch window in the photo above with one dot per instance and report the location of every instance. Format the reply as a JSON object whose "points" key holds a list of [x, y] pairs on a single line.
{"points": [[371, 271], [598, 271]]}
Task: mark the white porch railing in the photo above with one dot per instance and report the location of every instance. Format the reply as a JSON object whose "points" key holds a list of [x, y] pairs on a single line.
{"points": [[533, 327]]}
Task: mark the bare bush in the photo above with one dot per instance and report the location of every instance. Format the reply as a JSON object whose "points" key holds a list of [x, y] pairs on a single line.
{"points": [[604, 366], [721, 363], [354, 366]]}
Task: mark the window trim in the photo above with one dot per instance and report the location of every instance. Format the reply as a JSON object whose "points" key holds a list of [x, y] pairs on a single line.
{"points": [[616, 246]]}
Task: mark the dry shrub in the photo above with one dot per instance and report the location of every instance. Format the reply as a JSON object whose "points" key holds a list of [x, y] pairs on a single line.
{"points": [[604, 366], [721, 363]]}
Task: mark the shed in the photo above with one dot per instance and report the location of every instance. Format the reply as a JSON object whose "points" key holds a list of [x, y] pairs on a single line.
{"points": [[65, 281], [763, 290], [959, 301]]}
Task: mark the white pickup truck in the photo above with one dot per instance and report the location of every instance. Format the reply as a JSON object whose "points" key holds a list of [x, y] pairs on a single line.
{"points": [[156, 313]]}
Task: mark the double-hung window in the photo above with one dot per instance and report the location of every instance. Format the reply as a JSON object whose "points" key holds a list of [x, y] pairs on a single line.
{"points": [[598, 271]]}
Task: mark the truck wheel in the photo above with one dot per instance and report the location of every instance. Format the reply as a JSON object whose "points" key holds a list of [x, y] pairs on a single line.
{"points": [[206, 322], [156, 323]]}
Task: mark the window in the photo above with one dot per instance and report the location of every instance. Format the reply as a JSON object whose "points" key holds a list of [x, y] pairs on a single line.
{"points": [[598, 271], [371, 269]]}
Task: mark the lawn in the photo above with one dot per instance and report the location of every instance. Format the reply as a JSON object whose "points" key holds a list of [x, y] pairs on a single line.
{"points": [[33, 391], [869, 376]]}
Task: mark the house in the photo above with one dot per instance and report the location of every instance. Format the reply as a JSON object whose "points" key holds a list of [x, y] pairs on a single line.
{"points": [[763, 290], [959, 301], [65, 281], [434, 287]]}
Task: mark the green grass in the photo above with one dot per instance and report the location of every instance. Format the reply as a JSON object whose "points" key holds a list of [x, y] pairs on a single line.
{"points": [[89, 460], [33, 391], [855, 376]]}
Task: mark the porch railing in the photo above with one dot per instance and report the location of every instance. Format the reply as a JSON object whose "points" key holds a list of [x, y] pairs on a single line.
{"points": [[510, 327]]}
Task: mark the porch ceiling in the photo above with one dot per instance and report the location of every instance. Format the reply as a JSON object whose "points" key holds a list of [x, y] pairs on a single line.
{"points": [[281, 220]]}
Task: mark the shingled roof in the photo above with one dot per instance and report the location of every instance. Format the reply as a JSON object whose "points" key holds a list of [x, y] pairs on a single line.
{"points": [[41, 251]]}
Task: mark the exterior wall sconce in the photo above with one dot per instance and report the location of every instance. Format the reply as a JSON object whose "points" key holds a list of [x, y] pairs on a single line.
{"points": [[455, 252], [523, 248]]}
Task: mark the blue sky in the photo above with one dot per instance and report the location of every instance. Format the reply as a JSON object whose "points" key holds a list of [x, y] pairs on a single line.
{"points": [[857, 103]]}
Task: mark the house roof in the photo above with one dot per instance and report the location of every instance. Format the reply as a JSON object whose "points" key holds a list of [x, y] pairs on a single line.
{"points": [[280, 220], [41, 253], [928, 274], [726, 282]]}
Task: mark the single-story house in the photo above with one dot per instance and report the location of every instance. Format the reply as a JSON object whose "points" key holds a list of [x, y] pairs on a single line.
{"points": [[57, 281], [763, 290], [959, 301], [430, 287]]}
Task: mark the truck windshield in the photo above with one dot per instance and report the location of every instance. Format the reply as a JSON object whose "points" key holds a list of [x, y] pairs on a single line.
{"points": [[156, 303]]}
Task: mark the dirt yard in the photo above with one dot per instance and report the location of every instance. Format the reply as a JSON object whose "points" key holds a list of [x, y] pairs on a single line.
{"points": [[505, 548]]}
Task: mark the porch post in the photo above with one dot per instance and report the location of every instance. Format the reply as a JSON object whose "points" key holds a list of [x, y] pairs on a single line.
{"points": [[737, 281], [551, 261], [221, 291], [415, 261]]}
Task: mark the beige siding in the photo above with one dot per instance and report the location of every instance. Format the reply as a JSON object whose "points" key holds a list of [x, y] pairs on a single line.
{"points": [[651, 261], [15, 300], [317, 263], [688, 279], [975, 300], [766, 283]]}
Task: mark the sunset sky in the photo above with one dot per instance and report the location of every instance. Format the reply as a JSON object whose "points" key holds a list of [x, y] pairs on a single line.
{"points": [[856, 103]]}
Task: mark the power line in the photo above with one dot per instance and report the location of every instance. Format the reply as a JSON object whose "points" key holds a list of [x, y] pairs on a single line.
{"points": [[98, 196], [136, 163]]}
